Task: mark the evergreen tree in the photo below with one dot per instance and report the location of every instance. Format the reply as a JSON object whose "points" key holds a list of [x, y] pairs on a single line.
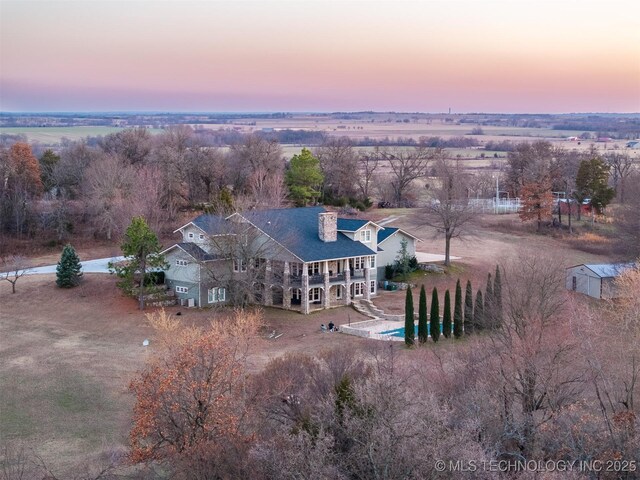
{"points": [[304, 178], [457, 312], [423, 329], [409, 326], [468, 309], [142, 247], [478, 312], [446, 315], [497, 299], [68, 270], [434, 317], [488, 303]]}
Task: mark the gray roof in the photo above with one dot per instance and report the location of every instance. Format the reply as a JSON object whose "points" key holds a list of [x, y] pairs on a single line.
{"points": [[608, 270], [194, 250], [296, 229]]}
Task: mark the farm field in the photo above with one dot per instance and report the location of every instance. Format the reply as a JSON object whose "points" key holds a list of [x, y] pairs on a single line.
{"points": [[67, 356], [54, 135]]}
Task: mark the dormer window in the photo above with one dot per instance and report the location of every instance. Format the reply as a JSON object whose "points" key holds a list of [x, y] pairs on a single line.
{"points": [[190, 235], [365, 236]]}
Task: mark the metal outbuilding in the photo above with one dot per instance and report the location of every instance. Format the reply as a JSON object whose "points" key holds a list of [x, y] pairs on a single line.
{"points": [[595, 280]]}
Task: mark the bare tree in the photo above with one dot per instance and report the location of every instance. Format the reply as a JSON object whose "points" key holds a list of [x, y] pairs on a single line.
{"points": [[169, 155], [621, 166], [448, 210], [131, 144], [535, 353], [255, 156], [110, 188], [338, 161], [531, 162], [147, 196], [68, 174], [206, 172], [368, 163], [406, 166], [12, 268], [628, 219]]}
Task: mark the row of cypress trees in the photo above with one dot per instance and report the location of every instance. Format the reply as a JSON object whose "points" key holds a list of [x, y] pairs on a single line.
{"points": [[486, 313]]}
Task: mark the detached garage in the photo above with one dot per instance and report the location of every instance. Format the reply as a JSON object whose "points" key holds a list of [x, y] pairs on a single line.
{"points": [[597, 281]]}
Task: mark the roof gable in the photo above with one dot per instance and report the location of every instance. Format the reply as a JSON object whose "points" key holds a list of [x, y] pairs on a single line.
{"points": [[607, 270], [390, 231]]}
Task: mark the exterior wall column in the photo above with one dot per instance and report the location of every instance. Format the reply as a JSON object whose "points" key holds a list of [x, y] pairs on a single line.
{"points": [[367, 283], [286, 291], [326, 298], [268, 293], [347, 286], [305, 290]]}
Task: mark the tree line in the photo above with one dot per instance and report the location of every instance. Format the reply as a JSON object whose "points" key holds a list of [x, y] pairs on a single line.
{"points": [[131, 173]]}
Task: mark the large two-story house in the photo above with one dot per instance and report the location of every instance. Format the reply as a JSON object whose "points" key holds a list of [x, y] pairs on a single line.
{"points": [[301, 259]]}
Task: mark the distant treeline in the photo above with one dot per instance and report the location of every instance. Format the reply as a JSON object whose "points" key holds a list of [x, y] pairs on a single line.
{"points": [[623, 129]]}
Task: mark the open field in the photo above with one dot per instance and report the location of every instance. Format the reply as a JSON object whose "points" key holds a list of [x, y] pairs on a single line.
{"points": [[54, 135], [67, 356]]}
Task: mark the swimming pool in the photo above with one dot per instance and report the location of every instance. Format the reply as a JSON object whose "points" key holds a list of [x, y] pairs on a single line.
{"points": [[399, 332]]}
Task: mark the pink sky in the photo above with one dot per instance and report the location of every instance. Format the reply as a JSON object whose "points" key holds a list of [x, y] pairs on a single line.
{"points": [[490, 56]]}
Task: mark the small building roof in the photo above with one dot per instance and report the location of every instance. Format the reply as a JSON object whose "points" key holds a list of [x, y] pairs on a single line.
{"points": [[607, 270]]}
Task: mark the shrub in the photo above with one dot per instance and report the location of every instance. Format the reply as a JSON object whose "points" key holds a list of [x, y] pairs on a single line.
{"points": [[389, 272]]}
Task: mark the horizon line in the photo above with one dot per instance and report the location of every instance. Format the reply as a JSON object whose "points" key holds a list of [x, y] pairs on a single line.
{"points": [[298, 112]]}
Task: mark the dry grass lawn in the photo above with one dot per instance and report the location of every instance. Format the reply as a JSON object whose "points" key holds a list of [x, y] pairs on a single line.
{"points": [[67, 356]]}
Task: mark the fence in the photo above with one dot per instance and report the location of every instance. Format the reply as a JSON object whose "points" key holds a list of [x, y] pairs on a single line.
{"points": [[489, 205]]}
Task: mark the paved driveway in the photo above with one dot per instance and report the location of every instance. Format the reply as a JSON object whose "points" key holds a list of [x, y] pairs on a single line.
{"points": [[431, 257], [99, 265]]}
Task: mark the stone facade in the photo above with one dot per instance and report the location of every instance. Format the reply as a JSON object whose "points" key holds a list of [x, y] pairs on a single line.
{"points": [[328, 226]]}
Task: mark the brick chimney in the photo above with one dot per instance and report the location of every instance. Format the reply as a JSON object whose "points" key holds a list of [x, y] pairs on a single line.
{"points": [[328, 226]]}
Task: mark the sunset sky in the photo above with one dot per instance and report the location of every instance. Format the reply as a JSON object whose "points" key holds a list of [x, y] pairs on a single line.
{"points": [[471, 56]]}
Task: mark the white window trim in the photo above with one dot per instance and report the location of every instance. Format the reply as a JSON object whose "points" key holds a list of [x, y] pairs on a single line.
{"points": [[181, 263], [314, 268], [365, 235], [314, 294], [190, 235], [372, 286], [358, 286], [181, 289], [372, 263], [216, 295], [201, 236]]}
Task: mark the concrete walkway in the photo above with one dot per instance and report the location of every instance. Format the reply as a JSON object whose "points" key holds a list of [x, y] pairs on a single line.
{"points": [[98, 265], [432, 257]]}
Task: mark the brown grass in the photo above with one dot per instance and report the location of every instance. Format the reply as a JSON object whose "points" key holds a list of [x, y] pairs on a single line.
{"points": [[67, 356]]}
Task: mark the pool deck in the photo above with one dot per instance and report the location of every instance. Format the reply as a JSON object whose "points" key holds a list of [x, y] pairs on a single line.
{"points": [[372, 329]]}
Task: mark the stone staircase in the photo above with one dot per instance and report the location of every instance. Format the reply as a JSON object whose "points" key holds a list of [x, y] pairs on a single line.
{"points": [[366, 307]]}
